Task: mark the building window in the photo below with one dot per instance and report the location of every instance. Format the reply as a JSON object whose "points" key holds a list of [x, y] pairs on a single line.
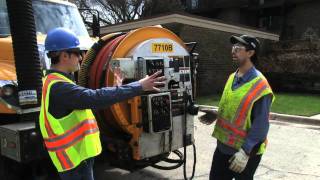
{"points": [[194, 4], [261, 2]]}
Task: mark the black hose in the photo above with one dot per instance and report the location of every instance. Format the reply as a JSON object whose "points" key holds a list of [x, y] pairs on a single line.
{"points": [[26, 55], [182, 157], [179, 154], [185, 143], [88, 60], [194, 160], [83, 77], [178, 162], [166, 167], [185, 135]]}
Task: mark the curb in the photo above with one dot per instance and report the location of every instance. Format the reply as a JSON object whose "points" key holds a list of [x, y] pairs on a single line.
{"points": [[281, 117]]}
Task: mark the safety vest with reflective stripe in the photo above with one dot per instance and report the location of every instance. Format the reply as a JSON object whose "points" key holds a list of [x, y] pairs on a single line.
{"points": [[234, 114], [70, 139]]}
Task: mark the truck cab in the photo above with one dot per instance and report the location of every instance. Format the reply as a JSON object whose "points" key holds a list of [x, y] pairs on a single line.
{"points": [[48, 14], [21, 150]]}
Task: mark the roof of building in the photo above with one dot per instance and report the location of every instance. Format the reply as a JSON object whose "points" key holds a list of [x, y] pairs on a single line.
{"points": [[191, 20]]}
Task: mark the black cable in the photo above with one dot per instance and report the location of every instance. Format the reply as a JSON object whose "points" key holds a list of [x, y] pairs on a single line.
{"points": [[179, 154], [185, 144], [164, 142], [185, 136], [194, 160], [182, 157], [167, 167], [170, 140], [178, 162]]}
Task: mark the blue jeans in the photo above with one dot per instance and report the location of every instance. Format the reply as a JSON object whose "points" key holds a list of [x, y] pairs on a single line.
{"points": [[82, 172]]}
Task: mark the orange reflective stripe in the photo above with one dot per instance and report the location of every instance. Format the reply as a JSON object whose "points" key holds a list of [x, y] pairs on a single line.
{"points": [[48, 80], [44, 92], [67, 159], [64, 160], [74, 141], [70, 138], [231, 140], [224, 124], [246, 96], [61, 155], [46, 124], [247, 101], [72, 130]]}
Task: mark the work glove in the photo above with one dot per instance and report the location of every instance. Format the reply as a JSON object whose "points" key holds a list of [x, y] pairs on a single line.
{"points": [[238, 161]]}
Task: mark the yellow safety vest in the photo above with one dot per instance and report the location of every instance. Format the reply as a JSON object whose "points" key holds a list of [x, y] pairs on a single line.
{"points": [[234, 114], [70, 139]]}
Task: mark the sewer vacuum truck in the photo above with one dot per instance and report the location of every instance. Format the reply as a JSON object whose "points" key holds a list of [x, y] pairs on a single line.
{"points": [[143, 130], [136, 133]]}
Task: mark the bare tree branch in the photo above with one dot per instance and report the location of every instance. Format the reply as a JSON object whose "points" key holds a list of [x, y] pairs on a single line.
{"points": [[117, 11]]}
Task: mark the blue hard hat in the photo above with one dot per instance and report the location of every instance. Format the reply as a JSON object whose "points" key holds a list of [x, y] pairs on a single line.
{"points": [[61, 39]]}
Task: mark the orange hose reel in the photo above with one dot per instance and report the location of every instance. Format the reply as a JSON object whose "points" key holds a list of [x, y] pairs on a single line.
{"points": [[125, 115]]}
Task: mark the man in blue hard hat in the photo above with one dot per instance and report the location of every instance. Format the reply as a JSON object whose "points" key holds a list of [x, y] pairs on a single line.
{"points": [[67, 123]]}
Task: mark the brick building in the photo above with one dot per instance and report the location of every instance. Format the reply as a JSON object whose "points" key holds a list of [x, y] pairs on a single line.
{"points": [[292, 19], [292, 63], [213, 44]]}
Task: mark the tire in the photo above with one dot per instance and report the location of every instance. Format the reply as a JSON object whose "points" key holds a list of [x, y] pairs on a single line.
{"points": [[9, 170]]}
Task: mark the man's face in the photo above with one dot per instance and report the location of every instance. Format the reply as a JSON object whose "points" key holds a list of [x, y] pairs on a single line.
{"points": [[240, 55], [72, 59]]}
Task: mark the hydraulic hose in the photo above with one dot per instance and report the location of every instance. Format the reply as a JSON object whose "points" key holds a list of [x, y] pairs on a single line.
{"points": [[95, 73], [88, 60], [182, 157], [87, 78], [185, 142], [99, 72], [178, 162], [91, 56]]}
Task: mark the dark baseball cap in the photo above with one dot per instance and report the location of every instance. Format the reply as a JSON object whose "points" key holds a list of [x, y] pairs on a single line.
{"points": [[252, 43]]}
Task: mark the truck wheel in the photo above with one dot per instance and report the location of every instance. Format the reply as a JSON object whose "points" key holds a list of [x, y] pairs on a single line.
{"points": [[8, 171]]}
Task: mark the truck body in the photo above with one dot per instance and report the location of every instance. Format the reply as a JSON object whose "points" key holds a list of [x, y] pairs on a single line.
{"points": [[48, 15], [136, 133], [21, 148]]}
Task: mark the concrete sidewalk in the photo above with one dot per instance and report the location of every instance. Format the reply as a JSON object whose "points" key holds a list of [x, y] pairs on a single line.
{"points": [[293, 154], [316, 116]]}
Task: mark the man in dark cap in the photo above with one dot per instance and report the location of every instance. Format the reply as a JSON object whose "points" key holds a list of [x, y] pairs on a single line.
{"points": [[243, 116]]}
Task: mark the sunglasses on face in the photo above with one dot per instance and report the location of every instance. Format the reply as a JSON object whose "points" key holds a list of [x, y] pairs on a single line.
{"points": [[76, 52]]}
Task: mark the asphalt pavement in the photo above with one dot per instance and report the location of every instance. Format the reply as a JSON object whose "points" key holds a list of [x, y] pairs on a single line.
{"points": [[293, 153]]}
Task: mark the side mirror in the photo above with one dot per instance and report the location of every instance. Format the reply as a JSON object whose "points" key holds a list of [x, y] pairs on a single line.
{"points": [[95, 26], [94, 22]]}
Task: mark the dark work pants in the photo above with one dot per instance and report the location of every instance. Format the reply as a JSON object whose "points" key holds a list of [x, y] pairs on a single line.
{"points": [[82, 172], [220, 168]]}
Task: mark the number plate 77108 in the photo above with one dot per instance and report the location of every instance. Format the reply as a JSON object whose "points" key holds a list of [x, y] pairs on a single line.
{"points": [[162, 47]]}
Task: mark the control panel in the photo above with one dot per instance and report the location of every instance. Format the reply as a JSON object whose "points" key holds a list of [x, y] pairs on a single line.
{"points": [[159, 109], [156, 110], [150, 66]]}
